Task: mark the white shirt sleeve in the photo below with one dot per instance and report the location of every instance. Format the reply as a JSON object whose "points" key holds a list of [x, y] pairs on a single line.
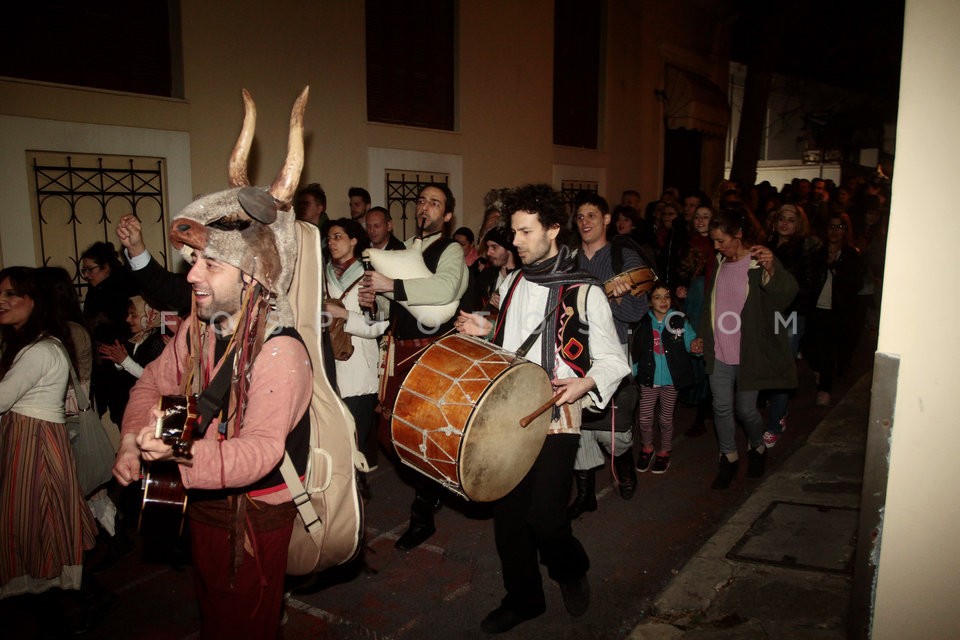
{"points": [[130, 366], [137, 262]]}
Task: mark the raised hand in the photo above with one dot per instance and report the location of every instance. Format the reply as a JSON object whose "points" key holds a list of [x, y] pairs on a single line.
{"points": [[130, 235]]}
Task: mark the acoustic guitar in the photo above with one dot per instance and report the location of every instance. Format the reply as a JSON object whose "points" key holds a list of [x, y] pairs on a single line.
{"points": [[164, 503]]}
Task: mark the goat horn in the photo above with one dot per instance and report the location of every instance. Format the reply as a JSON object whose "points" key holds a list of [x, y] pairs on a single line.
{"points": [[238, 159], [286, 182]]}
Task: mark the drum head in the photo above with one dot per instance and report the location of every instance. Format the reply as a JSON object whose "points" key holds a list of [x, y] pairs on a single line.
{"points": [[496, 452]]}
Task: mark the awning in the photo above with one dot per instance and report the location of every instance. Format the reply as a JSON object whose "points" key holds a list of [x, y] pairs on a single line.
{"points": [[693, 102]]}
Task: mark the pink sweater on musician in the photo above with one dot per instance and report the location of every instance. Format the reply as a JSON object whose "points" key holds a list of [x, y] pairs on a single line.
{"points": [[279, 394], [731, 294]]}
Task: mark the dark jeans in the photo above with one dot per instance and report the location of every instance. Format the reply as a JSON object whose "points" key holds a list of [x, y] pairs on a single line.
{"points": [[777, 409], [531, 521]]}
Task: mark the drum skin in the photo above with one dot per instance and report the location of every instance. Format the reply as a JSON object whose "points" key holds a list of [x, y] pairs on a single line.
{"points": [[457, 417]]}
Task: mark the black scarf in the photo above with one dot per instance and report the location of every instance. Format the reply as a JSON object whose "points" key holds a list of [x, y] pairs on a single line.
{"points": [[555, 273]]}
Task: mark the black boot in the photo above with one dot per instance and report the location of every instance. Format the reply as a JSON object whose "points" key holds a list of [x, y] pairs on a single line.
{"points": [[726, 473], [421, 522], [756, 462], [626, 474], [586, 499]]}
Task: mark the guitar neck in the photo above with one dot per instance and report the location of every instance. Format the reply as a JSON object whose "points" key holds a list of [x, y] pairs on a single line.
{"points": [[177, 423]]}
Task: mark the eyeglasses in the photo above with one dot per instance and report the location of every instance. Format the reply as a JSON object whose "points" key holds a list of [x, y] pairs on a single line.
{"points": [[433, 202], [837, 227], [85, 270]]}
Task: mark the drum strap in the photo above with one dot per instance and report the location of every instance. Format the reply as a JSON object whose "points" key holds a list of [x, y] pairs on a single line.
{"points": [[528, 343]]}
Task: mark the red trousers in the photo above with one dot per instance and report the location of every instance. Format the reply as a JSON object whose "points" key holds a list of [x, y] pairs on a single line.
{"points": [[251, 607]]}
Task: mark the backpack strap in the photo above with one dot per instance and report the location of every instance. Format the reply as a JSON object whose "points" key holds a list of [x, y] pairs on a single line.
{"points": [[301, 498]]}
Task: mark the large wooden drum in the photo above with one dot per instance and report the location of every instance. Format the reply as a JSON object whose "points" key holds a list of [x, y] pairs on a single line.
{"points": [[457, 417]]}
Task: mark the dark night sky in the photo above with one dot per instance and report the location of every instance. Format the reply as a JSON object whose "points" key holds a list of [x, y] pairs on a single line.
{"points": [[847, 43]]}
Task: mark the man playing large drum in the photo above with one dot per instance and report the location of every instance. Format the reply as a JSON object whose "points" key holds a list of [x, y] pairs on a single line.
{"points": [[580, 351]]}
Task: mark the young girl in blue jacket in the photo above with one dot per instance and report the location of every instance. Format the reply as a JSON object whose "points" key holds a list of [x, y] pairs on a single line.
{"points": [[661, 351]]}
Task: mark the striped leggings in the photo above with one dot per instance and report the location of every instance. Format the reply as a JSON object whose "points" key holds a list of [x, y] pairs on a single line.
{"points": [[648, 403]]}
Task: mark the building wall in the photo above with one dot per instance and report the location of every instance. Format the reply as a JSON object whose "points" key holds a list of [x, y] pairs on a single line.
{"points": [[917, 587], [504, 84]]}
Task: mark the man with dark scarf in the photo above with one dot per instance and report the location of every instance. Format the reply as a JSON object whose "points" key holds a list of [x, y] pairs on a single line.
{"points": [[566, 314]]}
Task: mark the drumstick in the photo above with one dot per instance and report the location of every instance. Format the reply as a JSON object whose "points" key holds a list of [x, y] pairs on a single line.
{"points": [[524, 422]]}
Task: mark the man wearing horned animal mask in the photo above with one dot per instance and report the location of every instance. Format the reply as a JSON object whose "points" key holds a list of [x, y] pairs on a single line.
{"points": [[242, 249]]}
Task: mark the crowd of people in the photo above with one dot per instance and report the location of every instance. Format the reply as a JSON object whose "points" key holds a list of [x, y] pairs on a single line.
{"points": [[742, 284]]}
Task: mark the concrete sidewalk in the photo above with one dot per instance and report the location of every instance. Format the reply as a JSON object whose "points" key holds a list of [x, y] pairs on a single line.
{"points": [[781, 566]]}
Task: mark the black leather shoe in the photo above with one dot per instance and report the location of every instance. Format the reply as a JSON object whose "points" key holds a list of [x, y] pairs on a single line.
{"points": [[501, 619], [726, 473], [576, 595], [415, 535]]}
